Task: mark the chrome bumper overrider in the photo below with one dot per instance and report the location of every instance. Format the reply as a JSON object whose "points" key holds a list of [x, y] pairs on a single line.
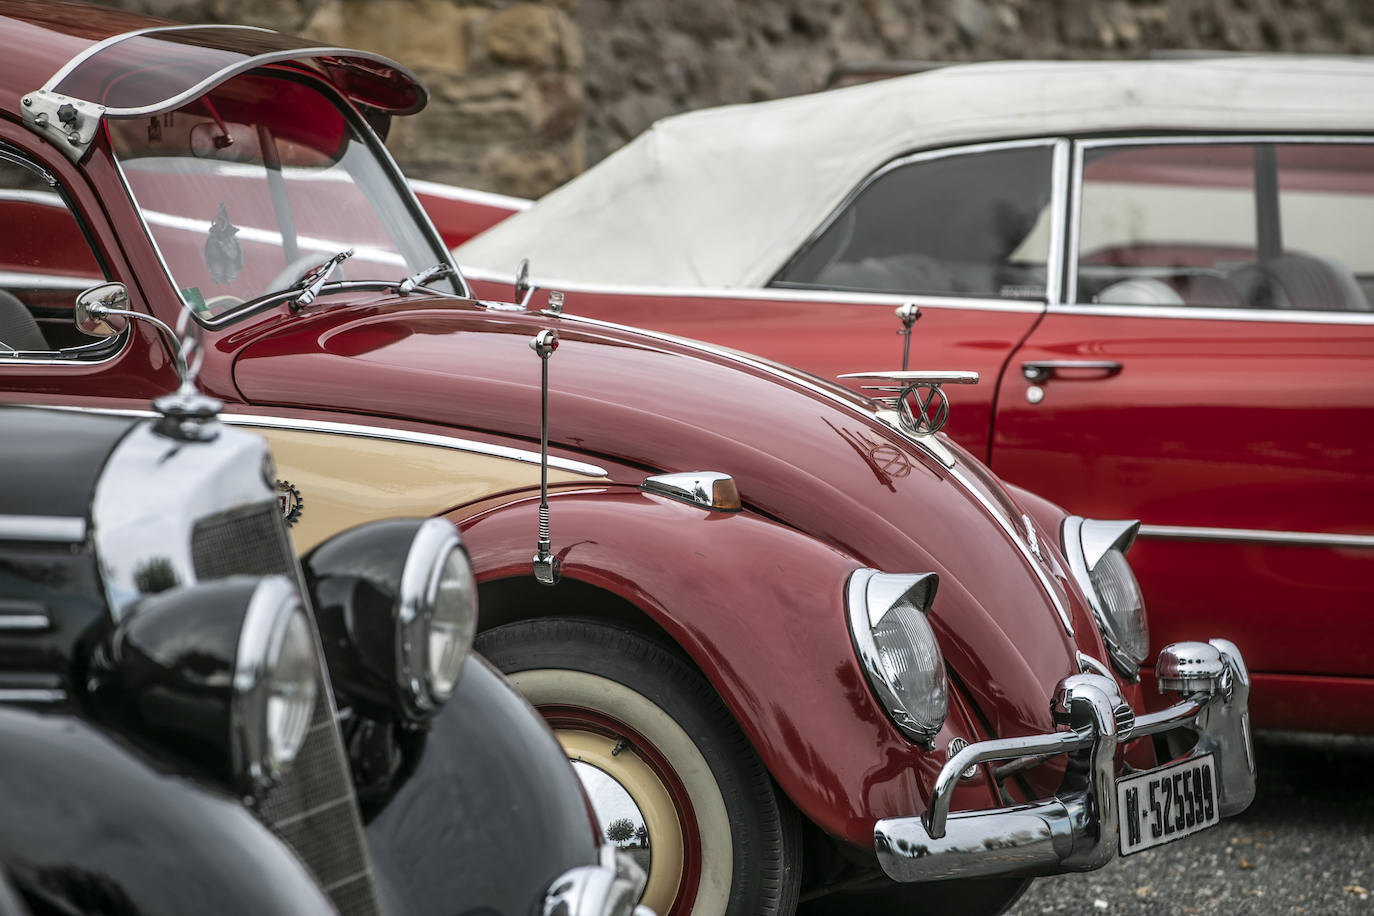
{"points": [[1077, 829]]}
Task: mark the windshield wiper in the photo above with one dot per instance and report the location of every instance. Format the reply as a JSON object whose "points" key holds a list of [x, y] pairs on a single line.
{"points": [[311, 284], [416, 280]]}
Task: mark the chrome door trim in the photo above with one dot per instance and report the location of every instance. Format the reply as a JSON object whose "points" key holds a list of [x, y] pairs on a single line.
{"points": [[767, 294], [1257, 535], [1075, 218], [1059, 211], [53, 529], [361, 431]]}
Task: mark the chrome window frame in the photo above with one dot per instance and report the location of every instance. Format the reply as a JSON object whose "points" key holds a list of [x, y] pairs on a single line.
{"points": [[1067, 305], [71, 355], [394, 174], [1054, 259]]}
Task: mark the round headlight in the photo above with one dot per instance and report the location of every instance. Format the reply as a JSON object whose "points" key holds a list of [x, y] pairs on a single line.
{"points": [[453, 623], [1096, 551], [1122, 604], [275, 680], [438, 614], [903, 662], [291, 692]]}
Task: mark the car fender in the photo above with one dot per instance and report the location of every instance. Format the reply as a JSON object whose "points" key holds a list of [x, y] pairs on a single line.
{"points": [[90, 824], [759, 608], [487, 810]]}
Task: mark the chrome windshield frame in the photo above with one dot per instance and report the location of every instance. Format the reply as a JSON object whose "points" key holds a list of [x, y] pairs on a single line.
{"points": [[405, 193]]}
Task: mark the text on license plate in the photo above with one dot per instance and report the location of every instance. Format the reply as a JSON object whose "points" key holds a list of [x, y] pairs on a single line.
{"points": [[1168, 803]]}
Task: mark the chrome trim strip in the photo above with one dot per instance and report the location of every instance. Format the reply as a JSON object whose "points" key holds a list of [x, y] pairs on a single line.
{"points": [[31, 695], [769, 294], [104, 43], [1257, 535], [1059, 203], [470, 195], [17, 159], [1016, 538], [50, 528], [1068, 304], [363, 432], [26, 280]]}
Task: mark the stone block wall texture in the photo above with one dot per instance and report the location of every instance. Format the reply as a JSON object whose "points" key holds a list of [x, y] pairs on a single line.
{"points": [[526, 94]]}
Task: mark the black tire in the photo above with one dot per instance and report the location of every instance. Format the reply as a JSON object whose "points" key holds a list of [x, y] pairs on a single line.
{"points": [[967, 897], [568, 664]]}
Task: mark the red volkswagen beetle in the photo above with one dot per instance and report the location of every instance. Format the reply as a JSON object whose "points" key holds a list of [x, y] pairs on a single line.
{"points": [[795, 640], [1161, 270]]}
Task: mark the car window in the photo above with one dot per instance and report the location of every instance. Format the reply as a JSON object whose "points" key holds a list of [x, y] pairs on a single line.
{"points": [[45, 260], [1228, 225], [972, 224], [248, 187]]}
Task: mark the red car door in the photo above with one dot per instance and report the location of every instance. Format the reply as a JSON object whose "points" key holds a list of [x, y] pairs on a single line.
{"points": [[1212, 374]]}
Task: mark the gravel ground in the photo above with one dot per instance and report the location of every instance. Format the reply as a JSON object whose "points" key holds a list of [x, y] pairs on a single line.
{"points": [[1306, 845]]}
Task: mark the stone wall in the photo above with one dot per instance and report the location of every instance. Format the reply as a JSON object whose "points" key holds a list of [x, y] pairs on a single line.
{"points": [[526, 94]]}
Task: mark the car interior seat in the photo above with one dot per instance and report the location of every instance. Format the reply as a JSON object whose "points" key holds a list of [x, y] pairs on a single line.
{"points": [[18, 329], [1300, 281]]}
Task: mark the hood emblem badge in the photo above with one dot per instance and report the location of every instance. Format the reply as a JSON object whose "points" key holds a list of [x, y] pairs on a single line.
{"points": [[289, 501], [916, 404]]}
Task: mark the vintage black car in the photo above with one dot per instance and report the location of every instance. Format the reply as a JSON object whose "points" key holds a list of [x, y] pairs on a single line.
{"points": [[181, 700]]}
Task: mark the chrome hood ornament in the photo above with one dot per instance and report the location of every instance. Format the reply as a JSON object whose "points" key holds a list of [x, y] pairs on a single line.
{"points": [[916, 403], [545, 563]]}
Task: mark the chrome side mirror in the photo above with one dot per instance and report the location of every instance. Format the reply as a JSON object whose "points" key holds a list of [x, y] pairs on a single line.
{"points": [[99, 310]]}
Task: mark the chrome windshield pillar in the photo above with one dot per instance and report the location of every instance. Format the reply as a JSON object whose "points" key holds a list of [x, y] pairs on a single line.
{"points": [[1078, 829]]}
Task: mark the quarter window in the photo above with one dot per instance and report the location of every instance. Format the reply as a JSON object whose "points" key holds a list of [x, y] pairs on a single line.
{"points": [[45, 260], [971, 224], [1239, 225]]}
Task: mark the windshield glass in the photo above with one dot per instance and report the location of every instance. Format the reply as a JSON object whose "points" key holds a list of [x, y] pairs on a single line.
{"points": [[250, 186]]}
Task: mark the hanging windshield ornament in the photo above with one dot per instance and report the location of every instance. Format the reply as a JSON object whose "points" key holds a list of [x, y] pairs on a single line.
{"points": [[223, 253]]}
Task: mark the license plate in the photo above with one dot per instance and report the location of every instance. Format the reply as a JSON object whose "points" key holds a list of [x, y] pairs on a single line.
{"points": [[1167, 804]]}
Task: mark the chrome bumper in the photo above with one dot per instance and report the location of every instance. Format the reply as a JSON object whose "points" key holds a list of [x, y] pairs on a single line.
{"points": [[1077, 829]]}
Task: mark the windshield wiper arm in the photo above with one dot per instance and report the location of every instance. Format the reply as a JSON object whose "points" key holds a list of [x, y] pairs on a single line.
{"points": [[311, 284], [416, 280]]}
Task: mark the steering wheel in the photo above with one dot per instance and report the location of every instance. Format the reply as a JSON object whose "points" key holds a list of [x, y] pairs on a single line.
{"points": [[293, 273]]}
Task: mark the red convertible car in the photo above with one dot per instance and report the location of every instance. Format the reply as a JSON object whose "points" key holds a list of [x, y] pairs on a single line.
{"points": [[1161, 270], [795, 640]]}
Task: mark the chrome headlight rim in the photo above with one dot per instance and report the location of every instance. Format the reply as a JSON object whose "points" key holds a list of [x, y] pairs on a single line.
{"points": [[1085, 542], [870, 596], [435, 542], [275, 623]]}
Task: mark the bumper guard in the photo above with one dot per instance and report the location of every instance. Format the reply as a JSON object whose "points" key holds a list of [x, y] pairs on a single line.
{"points": [[1077, 829]]}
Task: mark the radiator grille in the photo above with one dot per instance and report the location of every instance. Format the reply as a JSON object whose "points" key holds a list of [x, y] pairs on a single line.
{"points": [[313, 808], [249, 541]]}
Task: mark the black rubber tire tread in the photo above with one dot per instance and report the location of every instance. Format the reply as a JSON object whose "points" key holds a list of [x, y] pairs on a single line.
{"points": [[765, 829]]}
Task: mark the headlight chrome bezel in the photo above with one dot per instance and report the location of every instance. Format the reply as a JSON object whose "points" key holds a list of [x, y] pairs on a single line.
{"points": [[1086, 543], [870, 597], [266, 634], [436, 542]]}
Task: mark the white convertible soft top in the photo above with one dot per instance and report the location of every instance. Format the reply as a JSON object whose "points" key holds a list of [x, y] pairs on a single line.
{"points": [[722, 197]]}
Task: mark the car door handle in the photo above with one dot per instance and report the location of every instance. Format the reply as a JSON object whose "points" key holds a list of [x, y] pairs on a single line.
{"points": [[1044, 370]]}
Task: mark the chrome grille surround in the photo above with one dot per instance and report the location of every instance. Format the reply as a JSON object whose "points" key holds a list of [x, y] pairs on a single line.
{"points": [[167, 513]]}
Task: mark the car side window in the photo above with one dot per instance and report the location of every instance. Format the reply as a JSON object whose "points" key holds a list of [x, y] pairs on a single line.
{"points": [[45, 260], [1228, 225], [966, 224]]}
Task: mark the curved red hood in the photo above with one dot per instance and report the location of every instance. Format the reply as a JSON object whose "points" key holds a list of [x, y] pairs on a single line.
{"points": [[801, 450]]}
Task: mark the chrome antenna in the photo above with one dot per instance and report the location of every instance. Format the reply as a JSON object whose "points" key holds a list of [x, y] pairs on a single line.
{"points": [[545, 563], [909, 314]]}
